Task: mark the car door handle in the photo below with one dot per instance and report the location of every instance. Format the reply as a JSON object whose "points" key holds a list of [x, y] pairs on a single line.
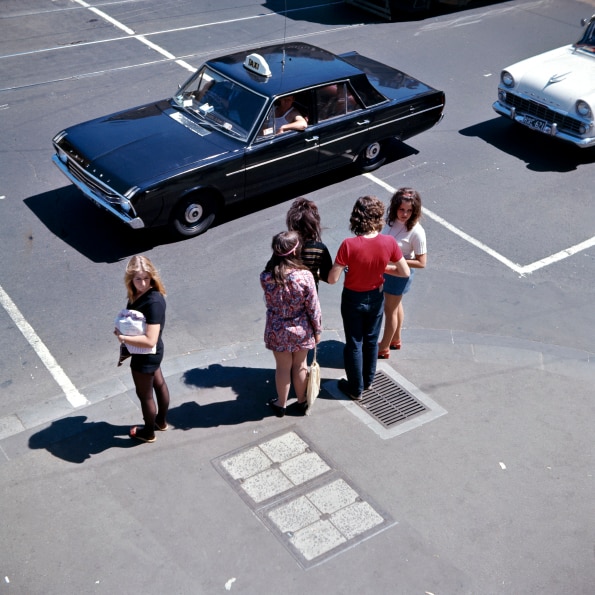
{"points": [[311, 139], [363, 123]]}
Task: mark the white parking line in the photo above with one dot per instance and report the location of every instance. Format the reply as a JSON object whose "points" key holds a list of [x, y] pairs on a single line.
{"points": [[75, 398], [162, 51], [517, 268]]}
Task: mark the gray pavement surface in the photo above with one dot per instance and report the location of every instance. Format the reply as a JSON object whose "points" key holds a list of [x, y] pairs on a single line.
{"points": [[493, 497]]}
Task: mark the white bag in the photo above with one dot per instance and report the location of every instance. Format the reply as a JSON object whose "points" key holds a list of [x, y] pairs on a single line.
{"points": [[313, 383], [133, 323]]}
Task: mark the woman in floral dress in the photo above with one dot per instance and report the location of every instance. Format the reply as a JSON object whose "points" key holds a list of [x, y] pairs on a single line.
{"points": [[293, 319]]}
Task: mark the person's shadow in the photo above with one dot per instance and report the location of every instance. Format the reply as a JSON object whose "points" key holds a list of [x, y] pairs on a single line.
{"points": [[75, 440], [253, 388]]}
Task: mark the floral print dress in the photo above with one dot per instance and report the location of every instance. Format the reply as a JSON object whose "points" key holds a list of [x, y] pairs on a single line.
{"points": [[293, 311]]}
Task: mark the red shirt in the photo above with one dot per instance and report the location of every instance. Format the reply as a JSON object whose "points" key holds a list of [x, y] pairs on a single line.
{"points": [[367, 258]]}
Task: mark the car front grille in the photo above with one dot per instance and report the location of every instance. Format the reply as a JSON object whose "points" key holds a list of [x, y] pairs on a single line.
{"points": [[93, 183], [537, 110]]}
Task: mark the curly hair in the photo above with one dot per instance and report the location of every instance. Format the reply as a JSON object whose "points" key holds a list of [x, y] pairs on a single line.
{"points": [[141, 264], [408, 195], [286, 256], [303, 217], [367, 215]]}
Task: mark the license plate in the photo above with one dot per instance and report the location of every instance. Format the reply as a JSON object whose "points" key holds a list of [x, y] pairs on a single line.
{"points": [[536, 124]]}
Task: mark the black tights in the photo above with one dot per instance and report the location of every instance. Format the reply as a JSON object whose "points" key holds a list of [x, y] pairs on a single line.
{"points": [[145, 384]]}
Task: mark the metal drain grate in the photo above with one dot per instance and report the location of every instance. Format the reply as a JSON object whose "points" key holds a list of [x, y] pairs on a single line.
{"points": [[390, 403]]}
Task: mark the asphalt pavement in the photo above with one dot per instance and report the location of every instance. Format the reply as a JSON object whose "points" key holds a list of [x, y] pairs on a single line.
{"points": [[489, 491]]}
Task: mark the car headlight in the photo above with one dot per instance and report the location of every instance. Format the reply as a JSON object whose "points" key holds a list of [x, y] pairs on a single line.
{"points": [[507, 78], [583, 109]]}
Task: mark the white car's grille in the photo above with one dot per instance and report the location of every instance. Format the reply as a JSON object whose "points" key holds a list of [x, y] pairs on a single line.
{"points": [[537, 110]]}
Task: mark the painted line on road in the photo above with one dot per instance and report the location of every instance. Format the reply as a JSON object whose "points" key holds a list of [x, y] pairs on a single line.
{"points": [[132, 33], [517, 268], [75, 398], [162, 51]]}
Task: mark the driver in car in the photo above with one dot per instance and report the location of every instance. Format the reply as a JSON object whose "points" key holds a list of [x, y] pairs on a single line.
{"points": [[287, 117]]}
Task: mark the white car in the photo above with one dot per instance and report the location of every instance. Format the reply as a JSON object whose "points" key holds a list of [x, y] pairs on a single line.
{"points": [[554, 92]]}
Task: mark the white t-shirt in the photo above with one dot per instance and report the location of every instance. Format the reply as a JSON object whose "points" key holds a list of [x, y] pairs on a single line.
{"points": [[412, 243]]}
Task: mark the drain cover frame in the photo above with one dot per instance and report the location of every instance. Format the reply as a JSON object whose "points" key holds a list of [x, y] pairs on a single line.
{"points": [[317, 518], [418, 408]]}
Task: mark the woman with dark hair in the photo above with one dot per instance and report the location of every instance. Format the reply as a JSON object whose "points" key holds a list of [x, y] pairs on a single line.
{"points": [[402, 222], [293, 318], [146, 295], [303, 217], [364, 258]]}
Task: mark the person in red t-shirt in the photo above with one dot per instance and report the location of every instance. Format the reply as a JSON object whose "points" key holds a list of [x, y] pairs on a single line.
{"points": [[364, 258]]}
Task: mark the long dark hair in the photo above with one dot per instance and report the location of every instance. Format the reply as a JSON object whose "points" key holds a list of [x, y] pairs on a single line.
{"points": [[367, 215], [286, 256], [405, 195], [303, 217]]}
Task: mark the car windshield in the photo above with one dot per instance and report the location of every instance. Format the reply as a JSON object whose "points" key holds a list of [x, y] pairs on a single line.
{"points": [[221, 102], [587, 41]]}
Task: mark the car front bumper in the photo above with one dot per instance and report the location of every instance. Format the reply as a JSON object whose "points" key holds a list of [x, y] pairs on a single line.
{"points": [[551, 129], [121, 209]]}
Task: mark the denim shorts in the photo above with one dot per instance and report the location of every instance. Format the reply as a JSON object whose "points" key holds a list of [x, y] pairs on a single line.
{"points": [[397, 285]]}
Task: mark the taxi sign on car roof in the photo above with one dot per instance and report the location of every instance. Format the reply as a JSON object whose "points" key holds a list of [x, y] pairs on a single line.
{"points": [[257, 64]]}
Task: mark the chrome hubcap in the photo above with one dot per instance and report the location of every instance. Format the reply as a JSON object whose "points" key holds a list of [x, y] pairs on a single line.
{"points": [[372, 151], [193, 213]]}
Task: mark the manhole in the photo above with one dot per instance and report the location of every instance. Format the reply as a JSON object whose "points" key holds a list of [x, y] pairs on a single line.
{"points": [[392, 406], [390, 403]]}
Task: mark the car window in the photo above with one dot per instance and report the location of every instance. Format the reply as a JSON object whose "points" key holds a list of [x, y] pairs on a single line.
{"points": [[334, 101], [284, 109], [221, 102]]}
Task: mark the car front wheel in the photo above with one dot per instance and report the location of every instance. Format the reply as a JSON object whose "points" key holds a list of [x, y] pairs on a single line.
{"points": [[194, 214], [372, 157]]}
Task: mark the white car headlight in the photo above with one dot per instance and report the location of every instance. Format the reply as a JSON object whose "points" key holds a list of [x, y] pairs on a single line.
{"points": [[507, 78], [583, 109]]}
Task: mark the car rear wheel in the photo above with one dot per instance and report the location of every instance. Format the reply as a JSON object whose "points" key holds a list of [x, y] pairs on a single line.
{"points": [[194, 214], [372, 157]]}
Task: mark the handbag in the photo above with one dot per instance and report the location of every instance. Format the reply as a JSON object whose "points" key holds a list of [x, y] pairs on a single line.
{"points": [[312, 383], [133, 323]]}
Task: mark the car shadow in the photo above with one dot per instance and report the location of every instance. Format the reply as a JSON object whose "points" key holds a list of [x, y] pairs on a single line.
{"points": [[348, 14], [99, 237], [540, 152]]}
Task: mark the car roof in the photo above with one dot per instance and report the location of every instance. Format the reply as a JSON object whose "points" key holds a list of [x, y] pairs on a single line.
{"points": [[293, 66]]}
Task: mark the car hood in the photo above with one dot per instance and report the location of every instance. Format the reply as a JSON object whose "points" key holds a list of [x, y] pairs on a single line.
{"points": [[143, 145], [556, 78]]}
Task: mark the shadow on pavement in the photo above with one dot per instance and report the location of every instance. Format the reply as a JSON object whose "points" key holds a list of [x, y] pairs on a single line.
{"points": [[75, 440], [540, 152]]}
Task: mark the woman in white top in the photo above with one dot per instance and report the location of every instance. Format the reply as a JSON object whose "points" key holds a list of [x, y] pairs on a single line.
{"points": [[402, 219]]}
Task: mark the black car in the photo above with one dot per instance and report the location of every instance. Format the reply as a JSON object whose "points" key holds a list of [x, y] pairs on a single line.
{"points": [[179, 161]]}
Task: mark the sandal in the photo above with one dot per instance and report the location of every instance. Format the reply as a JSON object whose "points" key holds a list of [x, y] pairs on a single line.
{"points": [[302, 407], [383, 353], [277, 409], [396, 345], [162, 428], [140, 433]]}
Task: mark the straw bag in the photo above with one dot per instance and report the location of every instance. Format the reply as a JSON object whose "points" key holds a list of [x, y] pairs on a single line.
{"points": [[313, 383]]}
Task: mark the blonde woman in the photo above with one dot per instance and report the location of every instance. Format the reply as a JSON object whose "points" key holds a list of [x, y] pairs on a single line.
{"points": [[146, 295]]}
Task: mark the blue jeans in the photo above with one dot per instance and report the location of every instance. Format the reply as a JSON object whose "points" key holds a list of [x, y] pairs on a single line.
{"points": [[362, 318]]}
